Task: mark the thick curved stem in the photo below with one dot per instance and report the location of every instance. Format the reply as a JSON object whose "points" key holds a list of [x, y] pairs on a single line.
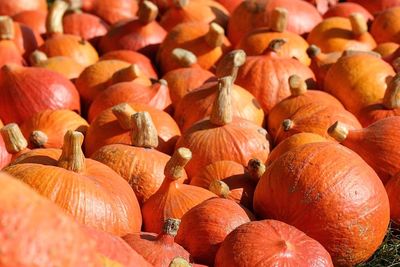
{"points": [[38, 139], [13, 138], [72, 157], [124, 112], [338, 131], [144, 133], [221, 113], [175, 167], [229, 65]]}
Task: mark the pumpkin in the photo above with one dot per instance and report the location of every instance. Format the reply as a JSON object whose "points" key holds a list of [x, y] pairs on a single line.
{"points": [[386, 49], [60, 64], [113, 127], [392, 189], [314, 118], [249, 15], [143, 34], [311, 199], [140, 164], [112, 11], [11, 8], [377, 6], [380, 136], [292, 142], [9, 52], [204, 227], [159, 249], [95, 78], [25, 91], [339, 34], [60, 44], [239, 181], [265, 76], [173, 199], [133, 57], [186, 78], [47, 128], [386, 26], [35, 232], [207, 42], [256, 41], [34, 19], [93, 184], [346, 9], [300, 97], [222, 136], [14, 141], [270, 243], [358, 80], [183, 11], [115, 248]]}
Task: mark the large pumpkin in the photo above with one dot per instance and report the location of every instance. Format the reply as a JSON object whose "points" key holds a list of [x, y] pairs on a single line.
{"points": [[330, 193]]}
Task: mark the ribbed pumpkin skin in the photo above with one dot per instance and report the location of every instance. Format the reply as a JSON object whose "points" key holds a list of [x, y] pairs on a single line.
{"points": [[197, 105], [346, 9], [97, 185], [10, 8], [289, 106], [34, 19], [270, 243], [386, 26], [115, 248], [314, 118], [84, 25], [376, 112], [26, 91], [335, 34], [106, 130], [204, 227], [266, 76], [34, 232], [312, 199], [238, 141], [159, 250], [379, 146], [392, 189], [358, 81], [132, 57], [54, 123], [94, 78], [241, 185], [113, 11], [250, 15]]}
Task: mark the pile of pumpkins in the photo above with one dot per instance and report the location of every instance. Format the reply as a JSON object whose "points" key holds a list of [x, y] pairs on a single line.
{"points": [[178, 133]]}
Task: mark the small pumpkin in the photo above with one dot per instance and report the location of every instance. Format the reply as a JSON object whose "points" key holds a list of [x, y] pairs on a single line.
{"points": [[270, 243], [346, 9], [112, 11], [25, 91], [34, 19], [112, 126], [47, 128], [173, 199], [93, 184], [9, 52], [159, 249], [11, 8], [295, 191], [204, 227], [386, 26]]}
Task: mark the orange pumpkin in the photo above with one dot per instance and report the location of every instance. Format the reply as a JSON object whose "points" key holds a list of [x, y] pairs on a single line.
{"points": [[159, 249], [34, 19], [93, 185], [270, 243], [377, 6], [9, 52], [386, 49], [113, 127], [295, 191], [47, 128], [222, 136], [346, 9], [10, 8], [230, 5], [173, 199], [112, 11], [392, 189], [204, 227], [207, 42], [386, 26]]}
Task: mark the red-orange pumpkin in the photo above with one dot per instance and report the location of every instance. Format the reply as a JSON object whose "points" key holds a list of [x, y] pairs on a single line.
{"points": [[386, 26], [34, 19], [346, 9], [230, 5], [112, 11], [10, 8], [387, 49], [377, 6], [271, 243], [310, 198]]}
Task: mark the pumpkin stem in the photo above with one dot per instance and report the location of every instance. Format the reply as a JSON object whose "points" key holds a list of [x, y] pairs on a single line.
{"points": [[358, 24], [229, 65], [147, 12], [179, 262], [72, 157], [127, 74], [221, 113], [184, 57], [287, 124], [338, 131], [219, 188], [171, 226], [275, 45], [123, 112], [144, 133], [13, 138], [174, 169], [297, 85], [38, 138], [256, 169], [391, 100], [313, 51], [181, 3], [215, 35], [6, 28], [54, 21], [279, 19], [37, 57]]}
